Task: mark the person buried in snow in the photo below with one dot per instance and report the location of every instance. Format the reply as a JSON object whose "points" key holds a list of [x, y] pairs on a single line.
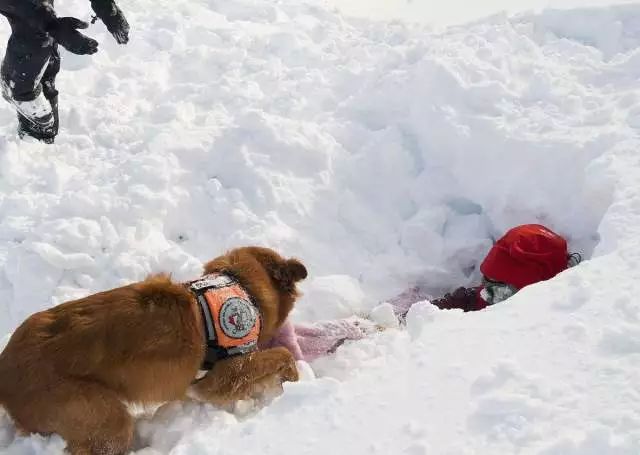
{"points": [[32, 60], [525, 255]]}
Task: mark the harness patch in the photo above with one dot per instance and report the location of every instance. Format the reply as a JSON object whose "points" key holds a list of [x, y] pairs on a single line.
{"points": [[232, 321], [237, 318]]}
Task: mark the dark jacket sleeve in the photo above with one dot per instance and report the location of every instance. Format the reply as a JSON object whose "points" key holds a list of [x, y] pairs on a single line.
{"points": [[103, 8], [38, 14], [466, 299]]}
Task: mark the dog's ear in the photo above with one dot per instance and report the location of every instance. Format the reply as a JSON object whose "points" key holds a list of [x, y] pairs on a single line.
{"points": [[296, 269], [288, 273]]}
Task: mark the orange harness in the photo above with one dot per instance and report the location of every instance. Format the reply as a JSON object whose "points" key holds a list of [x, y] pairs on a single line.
{"points": [[231, 320]]}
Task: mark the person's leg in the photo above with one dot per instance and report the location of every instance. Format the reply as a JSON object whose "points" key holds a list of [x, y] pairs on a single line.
{"points": [[28, 57], [311, 341], [50, 73], [287, 337], [323, 338], [49, 85]]}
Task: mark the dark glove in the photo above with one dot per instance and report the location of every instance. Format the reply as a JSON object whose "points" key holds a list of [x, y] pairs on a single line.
{"points": [[113, 19], [462, 298], [64, 31]]}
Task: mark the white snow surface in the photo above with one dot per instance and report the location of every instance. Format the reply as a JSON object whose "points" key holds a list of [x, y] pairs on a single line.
{"points": [[382, 155], [454, 12]]}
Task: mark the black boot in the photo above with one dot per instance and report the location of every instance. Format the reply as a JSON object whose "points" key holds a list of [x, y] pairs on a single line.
{"points": [[36, 118], [46, 135], [45, 132]]}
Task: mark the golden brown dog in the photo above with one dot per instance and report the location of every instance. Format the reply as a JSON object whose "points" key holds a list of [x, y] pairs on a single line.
{"points": [[71, 369]]}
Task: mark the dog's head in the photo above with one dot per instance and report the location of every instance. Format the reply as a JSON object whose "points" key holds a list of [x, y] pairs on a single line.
{"points": [[268, 277]]}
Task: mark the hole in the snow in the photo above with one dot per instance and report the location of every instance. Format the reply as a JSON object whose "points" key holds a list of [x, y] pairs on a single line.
{"points": [[426, 211]]}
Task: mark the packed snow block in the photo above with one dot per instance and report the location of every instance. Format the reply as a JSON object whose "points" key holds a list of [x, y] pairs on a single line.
{"points": [[609, 31], [384, 316], [419, 317], [330, 297], [305, 371]]}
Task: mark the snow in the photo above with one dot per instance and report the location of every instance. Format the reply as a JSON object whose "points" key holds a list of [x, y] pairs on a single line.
{"points": [[455, 12], [382, 154]]}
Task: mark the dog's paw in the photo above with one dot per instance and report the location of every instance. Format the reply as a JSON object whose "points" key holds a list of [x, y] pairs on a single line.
{"points": [[289, 371]]}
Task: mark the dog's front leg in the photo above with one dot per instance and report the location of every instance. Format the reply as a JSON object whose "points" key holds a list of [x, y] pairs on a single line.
{"points": [[246, 376]]}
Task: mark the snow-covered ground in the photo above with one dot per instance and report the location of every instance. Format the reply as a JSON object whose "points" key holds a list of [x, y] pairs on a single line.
{"points": [[382, 154], [453, 12]]}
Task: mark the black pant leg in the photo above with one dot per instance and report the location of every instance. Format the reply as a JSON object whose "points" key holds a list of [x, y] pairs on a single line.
{"points": [[49, 86], [30, 53], [49, 77]]}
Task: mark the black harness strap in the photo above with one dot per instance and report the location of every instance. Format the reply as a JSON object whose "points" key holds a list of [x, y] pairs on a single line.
{"points": [[213, 352]]}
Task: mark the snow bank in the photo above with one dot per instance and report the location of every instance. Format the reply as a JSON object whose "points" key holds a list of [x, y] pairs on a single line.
{"points": [[382, 155]]}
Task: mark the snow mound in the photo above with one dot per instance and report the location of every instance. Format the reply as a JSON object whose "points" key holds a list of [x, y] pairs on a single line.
{"points": [[383, 155]]}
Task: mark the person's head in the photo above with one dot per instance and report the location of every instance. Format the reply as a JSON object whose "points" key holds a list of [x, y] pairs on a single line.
{"points": [[525, 255]]}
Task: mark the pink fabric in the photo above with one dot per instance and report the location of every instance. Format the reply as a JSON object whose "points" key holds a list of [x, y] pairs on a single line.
{"points": [[311, 341], [403, 301], [287, 337]]}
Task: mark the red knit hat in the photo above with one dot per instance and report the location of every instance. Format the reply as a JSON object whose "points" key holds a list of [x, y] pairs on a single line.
{"points": [[525, 255]]}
